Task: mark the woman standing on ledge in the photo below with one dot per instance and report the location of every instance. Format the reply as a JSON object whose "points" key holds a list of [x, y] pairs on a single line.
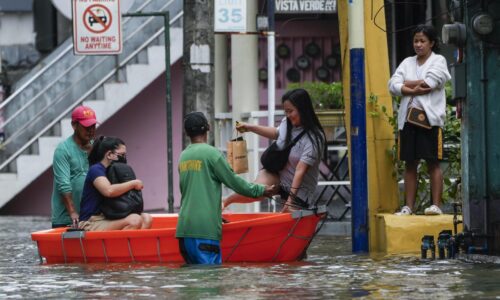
{"points": [[420, 80]]}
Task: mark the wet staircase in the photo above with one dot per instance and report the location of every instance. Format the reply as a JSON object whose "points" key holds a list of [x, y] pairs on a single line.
{"points": [[38, 113]]}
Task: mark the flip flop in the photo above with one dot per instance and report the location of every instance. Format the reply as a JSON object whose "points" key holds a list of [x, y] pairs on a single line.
{"points": [[433, 210], [405, 211]]}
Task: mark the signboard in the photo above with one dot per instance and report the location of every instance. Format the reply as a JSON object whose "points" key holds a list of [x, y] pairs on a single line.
{"points": [[230, 15], [97, 27], [306, 6]]}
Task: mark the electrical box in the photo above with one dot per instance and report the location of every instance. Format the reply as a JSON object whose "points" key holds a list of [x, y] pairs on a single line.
{"points": [[458, 81]]}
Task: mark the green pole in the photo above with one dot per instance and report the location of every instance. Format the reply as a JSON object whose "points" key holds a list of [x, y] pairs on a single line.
{"points": [[168, 98], [170, 165]]}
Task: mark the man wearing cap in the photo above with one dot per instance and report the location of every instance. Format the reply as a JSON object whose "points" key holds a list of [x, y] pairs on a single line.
{"points": [[202, 169], [70, 165]]}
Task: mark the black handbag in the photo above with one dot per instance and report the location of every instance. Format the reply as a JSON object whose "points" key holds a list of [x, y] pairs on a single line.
{"points": [[273, 159], [126, 204]]}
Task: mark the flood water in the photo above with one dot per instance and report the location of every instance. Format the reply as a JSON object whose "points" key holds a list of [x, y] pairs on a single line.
{"points": [[329, 272]]}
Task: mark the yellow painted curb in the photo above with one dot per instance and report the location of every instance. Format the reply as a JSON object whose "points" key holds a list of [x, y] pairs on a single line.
{"points": [[403, 234]]}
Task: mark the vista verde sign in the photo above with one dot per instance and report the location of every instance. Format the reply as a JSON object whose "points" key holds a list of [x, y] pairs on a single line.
{"points": [[306, 6]]}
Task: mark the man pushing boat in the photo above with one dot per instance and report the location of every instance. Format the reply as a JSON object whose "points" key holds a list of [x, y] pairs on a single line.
{"points": [[202, 170]]}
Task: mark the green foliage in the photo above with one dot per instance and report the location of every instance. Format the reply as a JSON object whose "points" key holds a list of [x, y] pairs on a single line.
{"points": [[373, 106], [451, 164], [324, 95]]}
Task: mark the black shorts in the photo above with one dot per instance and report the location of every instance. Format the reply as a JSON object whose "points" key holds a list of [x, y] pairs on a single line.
{"points": [[416, 143], [297, 203]]}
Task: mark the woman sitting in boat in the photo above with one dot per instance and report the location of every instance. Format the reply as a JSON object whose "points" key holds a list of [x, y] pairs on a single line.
{"points": [[97, 188]]}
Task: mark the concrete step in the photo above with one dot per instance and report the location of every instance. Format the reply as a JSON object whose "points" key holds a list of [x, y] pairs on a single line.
{"points": [[403, 234], [336, 228], [29, 167], [176, 44], [8, 176], [47, 145]]}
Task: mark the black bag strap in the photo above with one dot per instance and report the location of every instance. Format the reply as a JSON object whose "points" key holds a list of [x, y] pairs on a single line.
{"points": [[295, 140]]}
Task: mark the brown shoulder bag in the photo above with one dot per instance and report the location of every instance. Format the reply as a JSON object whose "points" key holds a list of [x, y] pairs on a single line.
{"points": [[417, 117]]}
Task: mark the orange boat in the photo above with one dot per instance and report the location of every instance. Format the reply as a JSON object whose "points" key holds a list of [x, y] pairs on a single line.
{"points": [[255, 237]]}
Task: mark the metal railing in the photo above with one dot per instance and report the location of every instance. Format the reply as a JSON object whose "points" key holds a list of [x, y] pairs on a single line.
{"points": [[255, 143], [64, 80]]}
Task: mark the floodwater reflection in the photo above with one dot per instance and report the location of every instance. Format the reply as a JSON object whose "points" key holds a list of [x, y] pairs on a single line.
{"points": [[331, 271]]}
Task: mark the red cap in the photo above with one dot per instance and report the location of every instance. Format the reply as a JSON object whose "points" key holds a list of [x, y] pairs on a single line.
{"points": [[84, 115]]}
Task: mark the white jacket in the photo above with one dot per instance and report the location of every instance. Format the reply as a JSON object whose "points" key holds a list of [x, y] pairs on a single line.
{"points": [[435, 73]]}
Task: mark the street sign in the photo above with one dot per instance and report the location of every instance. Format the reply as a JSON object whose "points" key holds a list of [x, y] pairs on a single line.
{"points": [[306, 6], [97, 27], [230, 15]]}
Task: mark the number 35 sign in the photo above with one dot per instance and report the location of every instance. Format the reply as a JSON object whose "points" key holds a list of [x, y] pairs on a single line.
{"points": [[230, 16]]}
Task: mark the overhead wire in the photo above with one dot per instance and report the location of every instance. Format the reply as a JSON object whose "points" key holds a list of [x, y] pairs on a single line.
{"points": [[393, 2]]}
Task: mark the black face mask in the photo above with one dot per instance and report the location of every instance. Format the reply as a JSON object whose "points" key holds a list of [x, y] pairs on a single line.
{"points": [[121, 159]]}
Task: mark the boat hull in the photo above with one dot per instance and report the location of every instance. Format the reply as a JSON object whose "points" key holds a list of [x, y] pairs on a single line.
{"points": [[258, 237]]}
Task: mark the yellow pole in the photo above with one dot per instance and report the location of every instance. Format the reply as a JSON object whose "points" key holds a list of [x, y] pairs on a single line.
{"points": [[382, 186]]}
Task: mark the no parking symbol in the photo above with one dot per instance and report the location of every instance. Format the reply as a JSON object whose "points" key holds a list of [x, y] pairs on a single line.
{"points": [[97, 18], [96, 27]]}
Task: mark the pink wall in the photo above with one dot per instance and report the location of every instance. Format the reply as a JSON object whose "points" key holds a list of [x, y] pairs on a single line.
{"points": [[142, 125], [296, 33]]}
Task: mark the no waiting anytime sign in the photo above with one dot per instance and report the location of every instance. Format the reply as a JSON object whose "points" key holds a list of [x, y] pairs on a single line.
{"points": [[97, 27]]}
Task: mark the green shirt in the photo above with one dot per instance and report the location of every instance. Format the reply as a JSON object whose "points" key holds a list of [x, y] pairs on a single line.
{"points": [[202, 169], [70, 165]]}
